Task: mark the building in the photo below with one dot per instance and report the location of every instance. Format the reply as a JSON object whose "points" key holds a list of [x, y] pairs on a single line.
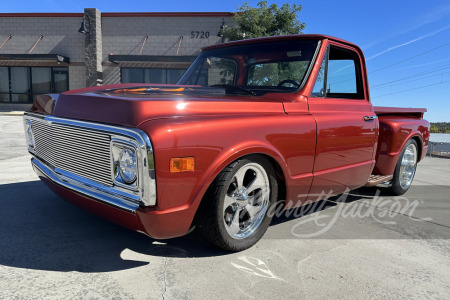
{"points": [[54, 52]]}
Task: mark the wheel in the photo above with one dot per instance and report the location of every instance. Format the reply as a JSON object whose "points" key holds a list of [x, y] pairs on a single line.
{"points": [[405, 169], [233, 215]]}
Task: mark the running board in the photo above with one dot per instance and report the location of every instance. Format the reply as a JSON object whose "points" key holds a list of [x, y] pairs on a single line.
{"points": [[378, 179]]}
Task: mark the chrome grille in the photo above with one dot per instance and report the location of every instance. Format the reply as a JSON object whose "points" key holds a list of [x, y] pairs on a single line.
{"points": [[77, 150]]}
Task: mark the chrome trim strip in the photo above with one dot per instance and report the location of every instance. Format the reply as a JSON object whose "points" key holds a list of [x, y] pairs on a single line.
{"points": [[88, 190], [310, 67], [145, 191]]}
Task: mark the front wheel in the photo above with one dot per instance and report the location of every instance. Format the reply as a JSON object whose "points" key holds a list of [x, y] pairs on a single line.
{"points": [[233, 214], [405, 169]]}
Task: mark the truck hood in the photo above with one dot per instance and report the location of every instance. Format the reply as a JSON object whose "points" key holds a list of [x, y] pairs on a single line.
{"points": [[131, 105]]}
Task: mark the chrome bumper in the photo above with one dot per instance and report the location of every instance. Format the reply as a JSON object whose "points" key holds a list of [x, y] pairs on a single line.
{"points": [[91, 191]]}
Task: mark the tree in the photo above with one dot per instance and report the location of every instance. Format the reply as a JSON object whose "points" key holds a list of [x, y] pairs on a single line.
{"points": [[264, 20], [440, 127]]}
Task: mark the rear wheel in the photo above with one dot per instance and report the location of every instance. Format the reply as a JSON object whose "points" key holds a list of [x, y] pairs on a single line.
{"points": [[405, 169], [233, 215]]}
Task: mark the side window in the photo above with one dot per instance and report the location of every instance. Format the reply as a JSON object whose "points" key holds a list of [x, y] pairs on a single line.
{"points": [[319, 86], [341, 75]]}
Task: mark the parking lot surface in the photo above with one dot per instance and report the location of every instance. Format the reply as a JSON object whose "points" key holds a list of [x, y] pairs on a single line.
{"points": [[360, 246]]}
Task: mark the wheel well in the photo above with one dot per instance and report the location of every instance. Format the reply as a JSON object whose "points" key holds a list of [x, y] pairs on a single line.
{"points": [[280, 181], [419, 146], [280, 178]]}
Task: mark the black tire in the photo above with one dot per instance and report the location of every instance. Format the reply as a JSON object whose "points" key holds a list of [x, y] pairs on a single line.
{"points": [[211, 214], [396, 187]]}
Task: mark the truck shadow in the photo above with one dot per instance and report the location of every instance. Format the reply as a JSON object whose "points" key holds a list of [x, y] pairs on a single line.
{"points": [[39, 230]]}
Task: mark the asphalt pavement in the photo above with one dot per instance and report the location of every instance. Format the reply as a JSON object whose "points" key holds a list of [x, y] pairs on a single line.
{"points": [[362, 245]]}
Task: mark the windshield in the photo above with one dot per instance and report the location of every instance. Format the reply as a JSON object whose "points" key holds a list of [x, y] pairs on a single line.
{"points": [[253, 69]]}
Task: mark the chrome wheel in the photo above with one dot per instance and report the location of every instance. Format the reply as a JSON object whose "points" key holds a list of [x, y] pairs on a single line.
{"points": [[246, 201], [408, 166]]}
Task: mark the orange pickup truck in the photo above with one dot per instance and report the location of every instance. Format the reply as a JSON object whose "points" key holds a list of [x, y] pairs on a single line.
{"points": [[251, 124]]}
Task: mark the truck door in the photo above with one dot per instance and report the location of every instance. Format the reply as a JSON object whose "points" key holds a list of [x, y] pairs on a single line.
{"points": [[346, 123]]}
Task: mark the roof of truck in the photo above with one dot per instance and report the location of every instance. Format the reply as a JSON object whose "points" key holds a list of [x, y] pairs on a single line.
{"points": [[281, 37]]}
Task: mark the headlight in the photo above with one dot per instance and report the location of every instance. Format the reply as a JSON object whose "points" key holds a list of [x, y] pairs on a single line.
{"points": [[29, 133], [128, 165]]}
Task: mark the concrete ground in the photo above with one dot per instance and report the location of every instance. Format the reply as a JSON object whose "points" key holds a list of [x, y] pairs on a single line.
{"points": [[361, 247]]}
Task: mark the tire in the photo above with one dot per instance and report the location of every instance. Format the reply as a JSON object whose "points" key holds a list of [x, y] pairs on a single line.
{"points": [[405, 169], [233, 214]]}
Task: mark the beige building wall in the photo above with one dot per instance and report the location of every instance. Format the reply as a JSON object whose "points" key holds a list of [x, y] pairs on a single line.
{"points": [[168, 35]]}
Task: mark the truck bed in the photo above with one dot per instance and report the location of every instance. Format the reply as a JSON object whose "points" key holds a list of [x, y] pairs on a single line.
{"points": [[386, 111], [397, 126]]}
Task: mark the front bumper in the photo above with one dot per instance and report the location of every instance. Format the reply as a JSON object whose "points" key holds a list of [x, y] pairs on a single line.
{"points": [[159, 224], [84, 189]]}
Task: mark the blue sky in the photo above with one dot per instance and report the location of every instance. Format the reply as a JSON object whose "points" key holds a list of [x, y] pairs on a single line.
{"points": [[399, 39]]}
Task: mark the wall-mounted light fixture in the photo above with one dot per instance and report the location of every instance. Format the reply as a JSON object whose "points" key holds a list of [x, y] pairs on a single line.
{"points": [[221, 30], [85, 29], [59, 59]]}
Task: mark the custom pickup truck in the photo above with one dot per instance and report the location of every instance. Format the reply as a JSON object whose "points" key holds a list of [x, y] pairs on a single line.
{"points": [[251, 125]]}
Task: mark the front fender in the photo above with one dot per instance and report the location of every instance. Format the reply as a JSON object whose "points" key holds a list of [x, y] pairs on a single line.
{"points": [[234, 153], [216, 141]]}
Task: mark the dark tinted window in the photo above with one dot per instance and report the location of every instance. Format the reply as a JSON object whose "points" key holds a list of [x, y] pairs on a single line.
{"points": [[42, 80], [60, 80], [23, 84], [151, 75], [132, 75], [4, 84]]}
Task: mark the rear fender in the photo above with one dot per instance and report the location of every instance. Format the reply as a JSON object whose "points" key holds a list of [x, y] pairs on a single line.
{"points": [[395, 132]]}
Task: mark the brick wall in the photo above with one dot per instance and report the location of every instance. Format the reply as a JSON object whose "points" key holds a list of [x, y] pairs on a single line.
{"points": [[125, 35], [60, 36], [121, 35], [77, 77]]}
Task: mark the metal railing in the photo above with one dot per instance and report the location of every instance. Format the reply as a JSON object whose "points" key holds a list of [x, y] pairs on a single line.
{"points": [[438, 149]]}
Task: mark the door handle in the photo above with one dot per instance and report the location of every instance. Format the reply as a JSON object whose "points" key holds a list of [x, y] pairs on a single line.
{"points": [[370, 118]]}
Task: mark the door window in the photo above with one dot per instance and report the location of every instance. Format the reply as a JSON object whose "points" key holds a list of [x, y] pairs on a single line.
{"points": [[319, 86], [339, 75], [60, 80]]}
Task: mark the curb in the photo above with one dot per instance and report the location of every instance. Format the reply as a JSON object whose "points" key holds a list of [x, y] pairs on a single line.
{"points": [[11, 113]]}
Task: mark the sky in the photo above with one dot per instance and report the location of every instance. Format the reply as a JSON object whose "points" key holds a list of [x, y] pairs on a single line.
{"points": [[406, 43]]}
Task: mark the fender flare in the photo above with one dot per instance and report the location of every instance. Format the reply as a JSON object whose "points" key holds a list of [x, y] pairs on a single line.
{"points": [[230, 155]]}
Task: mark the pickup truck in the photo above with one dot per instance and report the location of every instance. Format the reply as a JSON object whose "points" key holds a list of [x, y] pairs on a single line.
{"points": [[251, 125]]}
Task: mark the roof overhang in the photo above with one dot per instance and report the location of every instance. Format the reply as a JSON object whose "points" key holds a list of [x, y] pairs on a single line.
{"points": [[37, 57], [151, 58]]}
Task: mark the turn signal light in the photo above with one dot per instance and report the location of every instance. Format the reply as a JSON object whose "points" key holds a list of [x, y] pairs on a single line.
{"points": [[182, 164]]}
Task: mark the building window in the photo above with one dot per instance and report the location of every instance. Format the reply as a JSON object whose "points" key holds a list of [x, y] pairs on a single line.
{"points": [[23, 84], [146, 75]]}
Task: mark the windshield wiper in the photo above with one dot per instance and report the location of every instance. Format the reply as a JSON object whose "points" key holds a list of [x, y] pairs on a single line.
{"points": [[229, 87]]}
